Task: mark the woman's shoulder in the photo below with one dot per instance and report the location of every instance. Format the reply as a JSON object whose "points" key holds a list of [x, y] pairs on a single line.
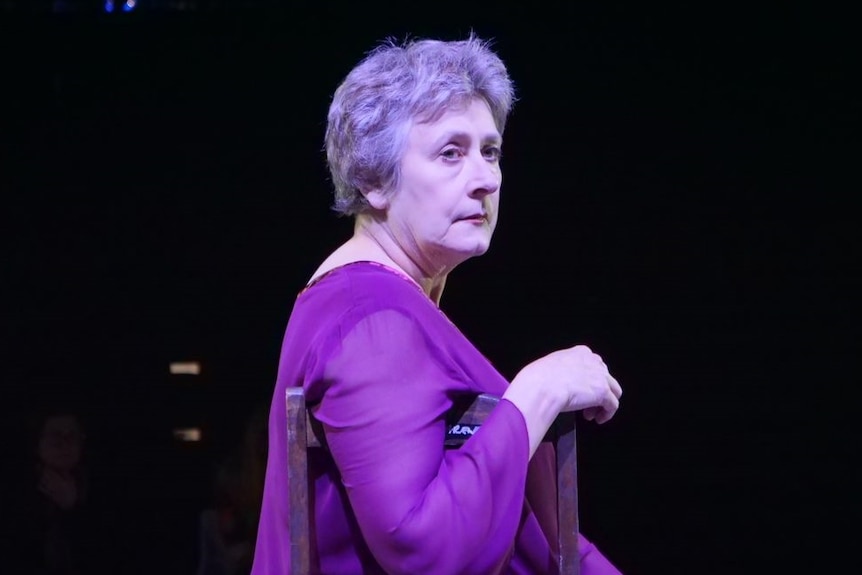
{"points": [[369, 294], [369, 303], [361, 280], [358, 263]]}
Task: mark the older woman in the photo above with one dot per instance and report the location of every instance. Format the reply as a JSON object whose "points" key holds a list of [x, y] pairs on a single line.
{"points": [[413, 144]]}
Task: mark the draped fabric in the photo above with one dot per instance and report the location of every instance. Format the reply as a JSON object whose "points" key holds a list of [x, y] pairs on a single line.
{"points": [[380, 365]]}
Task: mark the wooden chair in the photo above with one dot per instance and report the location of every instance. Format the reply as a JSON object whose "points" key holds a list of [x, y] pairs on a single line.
{"points": [[304, 432]]}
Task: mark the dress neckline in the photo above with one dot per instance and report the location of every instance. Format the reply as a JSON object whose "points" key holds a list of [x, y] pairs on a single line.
{"points": [[399, 273]]}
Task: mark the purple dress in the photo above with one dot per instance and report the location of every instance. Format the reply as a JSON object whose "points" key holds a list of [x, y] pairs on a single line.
{"points": [[361, 340]]}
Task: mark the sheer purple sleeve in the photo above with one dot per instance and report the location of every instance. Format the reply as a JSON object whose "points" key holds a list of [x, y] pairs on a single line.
{"points": [[421, 509]]}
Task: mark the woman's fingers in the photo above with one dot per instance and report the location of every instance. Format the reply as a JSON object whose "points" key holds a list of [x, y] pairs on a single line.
{"points": [[616, 388], [590, 413], [610, 402], [609, 408]]}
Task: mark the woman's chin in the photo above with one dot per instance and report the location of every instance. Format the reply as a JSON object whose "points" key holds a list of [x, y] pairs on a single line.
{"points": [[472, 251]]}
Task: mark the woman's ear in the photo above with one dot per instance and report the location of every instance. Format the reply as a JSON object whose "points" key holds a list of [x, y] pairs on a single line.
{"points": [[376, 198]]}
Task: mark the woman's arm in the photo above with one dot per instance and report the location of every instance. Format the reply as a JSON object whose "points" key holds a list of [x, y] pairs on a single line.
{"points": [[421, 508]]}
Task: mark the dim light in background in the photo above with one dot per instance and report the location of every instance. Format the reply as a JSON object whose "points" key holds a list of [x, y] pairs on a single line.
{"points": [[185, 368], [188, 434]]}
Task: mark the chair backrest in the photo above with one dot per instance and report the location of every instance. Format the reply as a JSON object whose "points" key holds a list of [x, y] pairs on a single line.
{"points": [[462, 421]]}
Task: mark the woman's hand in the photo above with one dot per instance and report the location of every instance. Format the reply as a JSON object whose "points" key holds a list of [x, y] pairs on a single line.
{"points": [[580, 378], [572, 379]]}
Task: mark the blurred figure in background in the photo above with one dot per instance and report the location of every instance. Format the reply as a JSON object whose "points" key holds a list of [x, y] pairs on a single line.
{"points": [[52, 523], [228, 529]]}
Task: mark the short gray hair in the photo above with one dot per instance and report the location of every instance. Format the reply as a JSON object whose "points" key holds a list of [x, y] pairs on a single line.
{"points": [[393, 86]]}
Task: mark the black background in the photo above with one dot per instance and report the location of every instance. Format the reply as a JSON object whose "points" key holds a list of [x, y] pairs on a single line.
{"points": [[677, 195]]}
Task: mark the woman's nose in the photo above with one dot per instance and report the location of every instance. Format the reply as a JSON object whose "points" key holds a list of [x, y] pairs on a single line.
{"points": [[486, 176]]}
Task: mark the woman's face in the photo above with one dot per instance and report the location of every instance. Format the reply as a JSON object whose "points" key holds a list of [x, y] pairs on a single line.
{"points": [[445, 209], [61, 442]]}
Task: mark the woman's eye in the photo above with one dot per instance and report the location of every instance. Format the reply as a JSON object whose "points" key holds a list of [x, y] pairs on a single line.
{"points": [[451, 153], [492, 153]]}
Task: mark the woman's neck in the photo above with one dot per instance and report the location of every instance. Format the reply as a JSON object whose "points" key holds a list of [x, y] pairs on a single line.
{"points": [[373, 242]]}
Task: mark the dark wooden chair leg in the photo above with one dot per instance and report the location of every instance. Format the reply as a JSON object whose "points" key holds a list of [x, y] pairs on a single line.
{"points": [[297, 482], [567, 493]]}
